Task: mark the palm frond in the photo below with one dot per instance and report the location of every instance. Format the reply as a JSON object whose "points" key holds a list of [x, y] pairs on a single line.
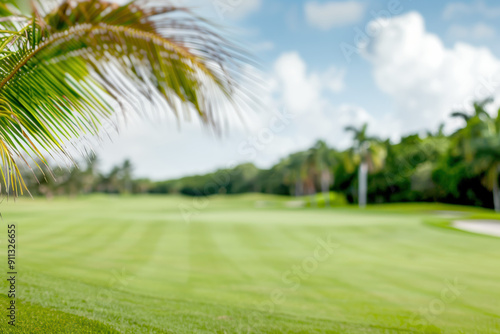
{"points": [[460, 114], [64, 74], [351, 129]]}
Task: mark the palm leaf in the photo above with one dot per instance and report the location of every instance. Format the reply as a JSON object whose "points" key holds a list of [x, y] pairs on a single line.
{"points": [[63, 75]]}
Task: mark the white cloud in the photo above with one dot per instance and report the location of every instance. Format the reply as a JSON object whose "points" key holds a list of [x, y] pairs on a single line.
{"points": [[300, 90], [334, 79], [160, 151], [426, 80], [457, 9], [327, 15], [479, 31], [307, 95]]}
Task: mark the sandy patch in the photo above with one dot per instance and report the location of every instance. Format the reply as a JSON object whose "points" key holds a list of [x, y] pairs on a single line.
{"points": [[295, 204], [489, 227]]}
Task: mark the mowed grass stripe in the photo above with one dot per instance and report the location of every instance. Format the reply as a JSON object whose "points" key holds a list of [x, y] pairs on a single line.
{"points": [[119, 255], [168, 263], [207, 260], [132, 313], [32, 318], [55, 232], [387, 267], [141, 251], [77, 239], [228, 240], [247, 253], [105, 239]]}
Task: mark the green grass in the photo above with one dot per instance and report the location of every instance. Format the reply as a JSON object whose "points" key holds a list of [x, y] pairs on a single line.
{"points": [[179, 265], [31, 318]]}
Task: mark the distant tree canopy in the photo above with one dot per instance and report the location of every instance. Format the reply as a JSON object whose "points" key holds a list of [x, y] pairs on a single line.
{"points": [[461, 168]]}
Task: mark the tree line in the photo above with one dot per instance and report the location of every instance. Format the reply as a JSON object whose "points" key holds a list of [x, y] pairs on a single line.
{"points": [[460, 168]]}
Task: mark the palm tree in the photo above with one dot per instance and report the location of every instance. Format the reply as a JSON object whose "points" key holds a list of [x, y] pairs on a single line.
{"points": [[310, 175], [322, 161], [371, 156], [296, 172], [479, 143], [90, 174], [478, 110], [126, 171], [68, 69], [440, 130], [487, 160]]}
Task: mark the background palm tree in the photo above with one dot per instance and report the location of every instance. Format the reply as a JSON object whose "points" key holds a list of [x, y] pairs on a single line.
{"points": [[371, 157], [479, 144], [66, 69], [478, 110], [322, 160], [295, 172]]}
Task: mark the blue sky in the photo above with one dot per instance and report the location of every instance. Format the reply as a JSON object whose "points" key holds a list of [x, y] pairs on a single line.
{"points": [[416, 63]]}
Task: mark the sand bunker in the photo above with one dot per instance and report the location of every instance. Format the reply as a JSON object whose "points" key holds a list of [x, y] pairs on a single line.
{"points": [[490, 227]]}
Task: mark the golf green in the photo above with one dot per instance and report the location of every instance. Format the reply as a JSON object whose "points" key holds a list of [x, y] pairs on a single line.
{"points": [[245, 264]]}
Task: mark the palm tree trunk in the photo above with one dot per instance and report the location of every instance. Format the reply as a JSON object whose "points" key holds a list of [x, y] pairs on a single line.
{"points": [[298, 188], [363, 184], [312, 192], [312, 198], [325, 185], [496, 191]]}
